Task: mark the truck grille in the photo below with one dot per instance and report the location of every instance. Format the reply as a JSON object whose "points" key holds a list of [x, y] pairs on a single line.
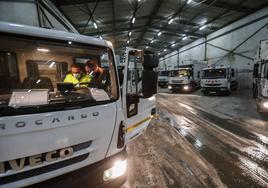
{"points": [[47, 168], [177, 81], [212, 84]]}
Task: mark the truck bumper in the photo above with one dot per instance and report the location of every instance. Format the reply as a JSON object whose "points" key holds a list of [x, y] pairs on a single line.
{"points": [[181, 87], [214, 89], [89, 176]]}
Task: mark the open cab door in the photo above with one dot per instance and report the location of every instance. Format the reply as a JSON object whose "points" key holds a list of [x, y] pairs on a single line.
{"points": [[140, 85]]}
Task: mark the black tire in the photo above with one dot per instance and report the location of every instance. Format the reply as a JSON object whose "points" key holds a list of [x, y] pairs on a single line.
{"points": [[255, 92], [228, 93], [205, 93], [258, 108], [192, 87]]}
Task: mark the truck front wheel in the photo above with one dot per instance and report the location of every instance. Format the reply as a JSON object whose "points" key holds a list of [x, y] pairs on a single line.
{"points": [[205, 93], [259, 108], [255, 92]]}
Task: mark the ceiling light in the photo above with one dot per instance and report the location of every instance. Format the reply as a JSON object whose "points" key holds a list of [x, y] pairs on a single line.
{"points": [[189, 1], [52, 64], [38, 81], [127, 41], [69, 42], [42, 50], [159, 53], [133, 20], [165, 50], [129, 34], [173, 45], [184, 38], [152, 41], [203, 27], [146, 47], [95, 25], [139, 0], [170, 21], [159, 33]]}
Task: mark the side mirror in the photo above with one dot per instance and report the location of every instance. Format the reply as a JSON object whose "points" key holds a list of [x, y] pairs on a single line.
{"points": [[149, 83], [149, 76], [256, 71], [150, 61]]}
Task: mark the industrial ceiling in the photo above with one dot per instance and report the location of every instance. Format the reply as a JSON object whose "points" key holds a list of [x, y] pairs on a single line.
{"points": [[158, 25]]}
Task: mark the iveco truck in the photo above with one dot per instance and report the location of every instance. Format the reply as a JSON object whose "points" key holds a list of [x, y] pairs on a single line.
{"points": [[163, 78], [219, 79], [61, 133], [260, 77], [186, 77]]}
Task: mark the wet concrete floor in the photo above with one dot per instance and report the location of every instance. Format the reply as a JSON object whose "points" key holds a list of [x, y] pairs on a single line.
{"points": [[201, 141]]}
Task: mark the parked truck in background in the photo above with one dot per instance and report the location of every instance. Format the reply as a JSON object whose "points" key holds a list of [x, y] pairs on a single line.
{"points": [[54, 131], [163, 78], [219, 79], [186, 77], [260, 77]]}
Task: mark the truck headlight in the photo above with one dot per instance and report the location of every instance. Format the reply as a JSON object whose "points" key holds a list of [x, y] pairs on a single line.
{"points": [[119, 168], [185, 87], [265, 104], [169, 87]]}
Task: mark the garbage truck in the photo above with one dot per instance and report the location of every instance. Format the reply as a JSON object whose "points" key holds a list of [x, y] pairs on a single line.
{"points": [[219, 79], [64, 133], [260, 77], [186, 78], [163, 78]]}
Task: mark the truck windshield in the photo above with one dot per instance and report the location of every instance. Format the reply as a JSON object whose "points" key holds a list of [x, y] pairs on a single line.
{"points": [[163, 73], [180, 73], [214, 73], [43, 75]]}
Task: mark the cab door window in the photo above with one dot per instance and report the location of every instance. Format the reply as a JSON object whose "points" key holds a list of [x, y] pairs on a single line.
{"points": [[134, 82]]}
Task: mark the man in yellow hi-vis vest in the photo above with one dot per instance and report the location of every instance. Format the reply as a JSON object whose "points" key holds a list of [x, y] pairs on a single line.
{"points": [[76, 76]]}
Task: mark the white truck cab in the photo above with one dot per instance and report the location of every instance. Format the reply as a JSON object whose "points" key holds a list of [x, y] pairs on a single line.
{"points": [[219, 79], [186, 77], [163, 78], [260, 77], [55, 131]]}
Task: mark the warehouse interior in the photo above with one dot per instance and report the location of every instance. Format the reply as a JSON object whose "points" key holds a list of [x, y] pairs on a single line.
{"points": [[209, 126]]}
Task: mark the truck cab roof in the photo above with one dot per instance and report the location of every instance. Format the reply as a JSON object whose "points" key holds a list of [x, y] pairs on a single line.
{"points": [[13, 28], [217, 67]]}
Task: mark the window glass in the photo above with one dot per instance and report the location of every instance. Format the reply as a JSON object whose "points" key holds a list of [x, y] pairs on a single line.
{"points": [[265, 69], [163, 73], [214, 73], [135, 68], [61, 73], [180, 73]]}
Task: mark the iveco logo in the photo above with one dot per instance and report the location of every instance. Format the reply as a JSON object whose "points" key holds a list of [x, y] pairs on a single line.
{"points": [[19, 164]]}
